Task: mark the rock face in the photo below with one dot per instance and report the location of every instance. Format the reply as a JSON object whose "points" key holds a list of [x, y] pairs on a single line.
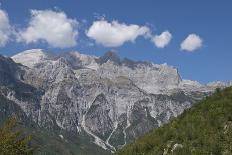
{"points": [[112, 100], [98, 119]]}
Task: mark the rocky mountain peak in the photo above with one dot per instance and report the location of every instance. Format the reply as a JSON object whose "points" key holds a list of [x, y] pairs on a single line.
{"points": [[110, 55], [31, 57], [78, 60]]}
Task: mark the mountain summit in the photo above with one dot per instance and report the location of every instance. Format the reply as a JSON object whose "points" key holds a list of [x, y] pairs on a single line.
{"points": [[109, 56], [30, 57]]}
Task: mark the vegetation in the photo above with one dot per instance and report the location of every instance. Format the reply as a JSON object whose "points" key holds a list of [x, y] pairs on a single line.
{"points": [[13, 142], [205, 129], [50, 143]]}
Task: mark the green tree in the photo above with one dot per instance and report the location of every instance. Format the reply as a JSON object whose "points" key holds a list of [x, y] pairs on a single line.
{"points": [[13, 142]]}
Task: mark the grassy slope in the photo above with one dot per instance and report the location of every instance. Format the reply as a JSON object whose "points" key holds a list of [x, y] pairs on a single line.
{"points": [[204, 129], [50, 143]]}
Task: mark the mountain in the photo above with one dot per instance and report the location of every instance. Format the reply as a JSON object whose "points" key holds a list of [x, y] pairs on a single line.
{"points": [[206, 128], [55, 141], [110, 100], [44, 141]]}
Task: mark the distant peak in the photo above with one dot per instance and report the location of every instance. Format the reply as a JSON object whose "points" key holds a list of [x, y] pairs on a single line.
{"points": [[31, 57], [217, 84], [110, 55], [33, 51]]}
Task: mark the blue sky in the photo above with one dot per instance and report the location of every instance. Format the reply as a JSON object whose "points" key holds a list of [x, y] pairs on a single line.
{"points": [[210, 20]]}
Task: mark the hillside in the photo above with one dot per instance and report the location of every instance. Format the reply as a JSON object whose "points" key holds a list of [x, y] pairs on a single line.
{"points": [[55, 142], [204, 129]]}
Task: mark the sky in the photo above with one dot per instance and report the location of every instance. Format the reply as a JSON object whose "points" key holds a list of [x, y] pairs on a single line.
{"points": [[192, 35]]}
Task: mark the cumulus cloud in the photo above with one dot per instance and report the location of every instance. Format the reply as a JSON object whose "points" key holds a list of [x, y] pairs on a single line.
{"points": [[5, 28], [52, 27], [162, 40], [191, 43], [114, 34]]}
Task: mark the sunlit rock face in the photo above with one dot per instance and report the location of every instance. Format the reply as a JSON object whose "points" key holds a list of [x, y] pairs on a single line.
{"points": [[112, 100]]}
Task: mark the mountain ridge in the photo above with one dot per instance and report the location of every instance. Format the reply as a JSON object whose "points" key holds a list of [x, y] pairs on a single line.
{"points": [[109, 55], [136, 96]]}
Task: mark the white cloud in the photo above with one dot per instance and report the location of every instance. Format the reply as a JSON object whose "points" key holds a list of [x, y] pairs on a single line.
{"points": [[191, 43], [114, 34], [52, 27], [162, 40], [5, 28]]}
